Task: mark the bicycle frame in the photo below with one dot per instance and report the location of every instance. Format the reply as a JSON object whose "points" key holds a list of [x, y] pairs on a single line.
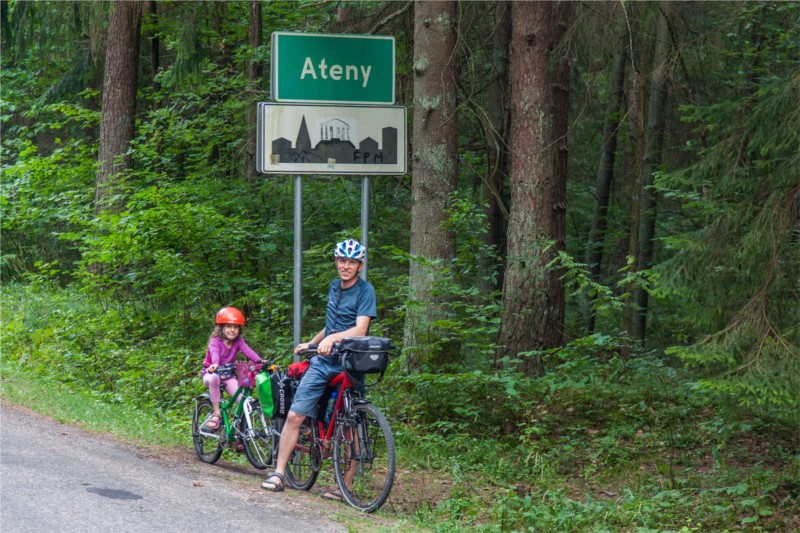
{"points": [[345, 384], [224, 407]]}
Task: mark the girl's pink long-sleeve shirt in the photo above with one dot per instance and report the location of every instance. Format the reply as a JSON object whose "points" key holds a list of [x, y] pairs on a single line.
{"points": [[219, 354]]}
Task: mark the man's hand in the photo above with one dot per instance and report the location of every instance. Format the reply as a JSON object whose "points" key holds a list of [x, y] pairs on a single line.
{"points": [[326, 345], [300, 347]]}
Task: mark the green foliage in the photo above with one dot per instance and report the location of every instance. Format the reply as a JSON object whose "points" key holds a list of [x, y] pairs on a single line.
{"points": [[466, 317], [747, 297]]}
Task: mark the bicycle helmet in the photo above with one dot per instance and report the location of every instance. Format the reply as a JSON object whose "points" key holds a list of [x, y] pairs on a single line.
{"points": [[350, 249], [230, 315]]}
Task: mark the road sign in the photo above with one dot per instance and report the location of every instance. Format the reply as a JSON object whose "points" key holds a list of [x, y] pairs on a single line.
{"points": [[321, 139], [327, 68]]}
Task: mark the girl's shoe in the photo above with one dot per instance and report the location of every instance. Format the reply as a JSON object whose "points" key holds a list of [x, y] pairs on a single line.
{"points": [[213, 422]]}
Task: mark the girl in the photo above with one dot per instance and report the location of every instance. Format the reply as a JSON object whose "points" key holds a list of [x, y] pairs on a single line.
{"points": [[225, 343]]}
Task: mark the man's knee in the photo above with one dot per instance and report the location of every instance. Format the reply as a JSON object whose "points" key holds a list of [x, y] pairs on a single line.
{"points": [[294, 420]]}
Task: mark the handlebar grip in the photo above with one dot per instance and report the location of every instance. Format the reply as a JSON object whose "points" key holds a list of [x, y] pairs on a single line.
{"points": [[313, 346]]}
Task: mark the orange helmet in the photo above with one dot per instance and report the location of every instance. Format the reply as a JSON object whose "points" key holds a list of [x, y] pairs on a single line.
{"points": [[230, 315]]}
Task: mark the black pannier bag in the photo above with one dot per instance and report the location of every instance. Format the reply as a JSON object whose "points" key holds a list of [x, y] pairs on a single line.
{"points": [[282, 394], [365, 355]]}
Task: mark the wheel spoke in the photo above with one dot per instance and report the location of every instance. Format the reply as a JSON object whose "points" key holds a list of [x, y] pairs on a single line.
{"points": [[364, 458], [304, 463], [257, 436], [207, 442]]}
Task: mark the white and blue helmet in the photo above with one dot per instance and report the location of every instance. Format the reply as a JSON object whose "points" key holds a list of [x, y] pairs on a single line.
{"points": [[350, 249]]}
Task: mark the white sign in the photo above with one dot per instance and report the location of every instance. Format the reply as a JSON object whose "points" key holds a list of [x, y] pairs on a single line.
{"points": [[323, 139]]}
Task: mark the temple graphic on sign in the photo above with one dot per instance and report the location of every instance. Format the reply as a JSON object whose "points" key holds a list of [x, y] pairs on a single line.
{"points": [[335, 145]]}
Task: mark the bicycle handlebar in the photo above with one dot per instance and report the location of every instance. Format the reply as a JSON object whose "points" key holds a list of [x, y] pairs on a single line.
{"points": [[253, 367], [312, 350]]}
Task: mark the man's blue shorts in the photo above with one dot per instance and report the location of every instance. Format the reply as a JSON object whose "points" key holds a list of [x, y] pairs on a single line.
{"points": [[312, 386]]}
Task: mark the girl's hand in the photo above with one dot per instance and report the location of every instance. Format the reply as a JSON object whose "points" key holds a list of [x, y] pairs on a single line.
{"points": [[212, 368]]}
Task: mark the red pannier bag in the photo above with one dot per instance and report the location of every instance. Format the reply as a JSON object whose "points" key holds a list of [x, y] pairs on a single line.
{"points": [[296, 370]]}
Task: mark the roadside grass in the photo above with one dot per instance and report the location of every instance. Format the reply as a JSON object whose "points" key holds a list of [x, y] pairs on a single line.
{"points": [[44, 395]]}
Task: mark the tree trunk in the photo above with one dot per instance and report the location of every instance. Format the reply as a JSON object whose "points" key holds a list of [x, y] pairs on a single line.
{"points": [[654, 141], [605, 177], [117, 125], [496, 129], [630, 187], [155, 43], [255, 39], [435, 166], [533, 295]]}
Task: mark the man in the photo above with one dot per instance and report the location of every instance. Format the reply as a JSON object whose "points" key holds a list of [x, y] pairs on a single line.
{"points": [[351, 307]]}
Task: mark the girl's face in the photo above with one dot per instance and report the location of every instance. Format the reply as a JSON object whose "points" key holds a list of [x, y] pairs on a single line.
{"points": [[230, 331]]}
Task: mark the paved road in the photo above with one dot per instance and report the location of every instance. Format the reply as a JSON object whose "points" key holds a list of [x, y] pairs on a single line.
{"points": [[58, 478]]}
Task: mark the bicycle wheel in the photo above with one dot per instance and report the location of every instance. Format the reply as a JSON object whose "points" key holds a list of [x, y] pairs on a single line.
{"points": [[207, 442], [257, 436], [306, 459], [364, 457]]}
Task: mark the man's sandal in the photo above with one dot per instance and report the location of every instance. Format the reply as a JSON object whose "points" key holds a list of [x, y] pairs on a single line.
{"points": [[271, 485], [335, 495], [213, 422]]}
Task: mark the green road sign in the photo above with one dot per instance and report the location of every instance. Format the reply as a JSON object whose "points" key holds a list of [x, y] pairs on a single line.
{"points": [[326, 68]]}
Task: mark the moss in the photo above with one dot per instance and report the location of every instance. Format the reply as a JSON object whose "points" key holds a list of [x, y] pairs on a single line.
{"points": [[421, 65]]}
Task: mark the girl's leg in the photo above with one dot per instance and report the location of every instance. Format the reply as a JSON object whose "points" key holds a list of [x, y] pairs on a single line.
{"points": [[212, 382], [231, 386]]}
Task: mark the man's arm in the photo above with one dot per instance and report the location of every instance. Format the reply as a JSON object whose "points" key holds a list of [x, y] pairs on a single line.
{"points": [[359, 330]]}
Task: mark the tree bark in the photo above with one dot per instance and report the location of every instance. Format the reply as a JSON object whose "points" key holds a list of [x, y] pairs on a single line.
{"points": [[117, 124], [435, 166], [496, 128], [255, 39], [630, 187], [605, 178], [654, 142], [155, 43], [533, 294]]}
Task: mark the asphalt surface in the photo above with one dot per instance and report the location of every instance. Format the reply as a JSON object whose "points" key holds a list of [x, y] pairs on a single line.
{"points": [[59, 478]]}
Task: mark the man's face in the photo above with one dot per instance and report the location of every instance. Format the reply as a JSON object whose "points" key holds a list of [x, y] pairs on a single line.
{"points": [[348, 268]]}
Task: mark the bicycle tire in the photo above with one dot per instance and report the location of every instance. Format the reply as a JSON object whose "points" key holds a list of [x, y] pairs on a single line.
{"points": [[207, 443], [371, 455], [257, 438], [306, 459]]}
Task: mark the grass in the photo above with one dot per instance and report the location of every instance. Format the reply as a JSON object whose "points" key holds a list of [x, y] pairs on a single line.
{"points": [[44, 395]]}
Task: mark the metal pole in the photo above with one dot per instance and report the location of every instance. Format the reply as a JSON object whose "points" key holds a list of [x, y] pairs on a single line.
{"points": [[365, 222], [298, 261]]}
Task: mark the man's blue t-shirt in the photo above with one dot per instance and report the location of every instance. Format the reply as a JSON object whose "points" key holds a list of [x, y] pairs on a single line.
{"points": [[345, 305]]}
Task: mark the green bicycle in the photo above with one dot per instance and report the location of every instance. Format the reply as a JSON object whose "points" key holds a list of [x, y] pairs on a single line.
{"points": [[244, 424]]}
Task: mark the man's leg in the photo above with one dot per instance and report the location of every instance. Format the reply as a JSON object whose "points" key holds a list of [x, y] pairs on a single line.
{"points": [[289, 436]]}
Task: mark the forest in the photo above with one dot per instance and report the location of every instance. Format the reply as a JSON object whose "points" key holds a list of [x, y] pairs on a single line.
{"points": [[591, 269]]}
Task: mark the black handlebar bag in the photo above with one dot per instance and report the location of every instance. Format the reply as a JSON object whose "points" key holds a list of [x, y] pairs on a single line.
{"points": [[365, 355]]}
